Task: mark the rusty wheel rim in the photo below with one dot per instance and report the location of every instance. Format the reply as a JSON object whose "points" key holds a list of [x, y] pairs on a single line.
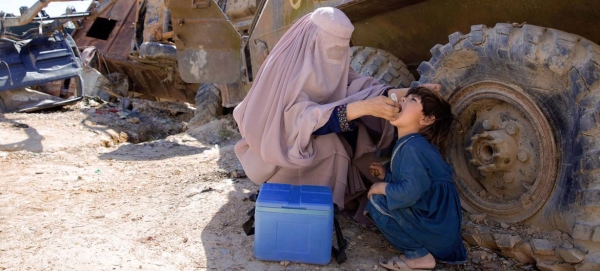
{"points": [[504, 156]]}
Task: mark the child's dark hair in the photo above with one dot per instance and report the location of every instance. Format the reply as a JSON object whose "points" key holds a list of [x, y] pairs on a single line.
{"points": [[434, 105]]}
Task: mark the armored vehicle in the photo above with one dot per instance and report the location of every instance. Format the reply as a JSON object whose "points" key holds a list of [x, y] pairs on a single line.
{"points": [[524, 81], [523, 78]]}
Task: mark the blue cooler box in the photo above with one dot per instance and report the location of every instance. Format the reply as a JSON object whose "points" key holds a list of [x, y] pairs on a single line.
{"points": [[293, 223]]}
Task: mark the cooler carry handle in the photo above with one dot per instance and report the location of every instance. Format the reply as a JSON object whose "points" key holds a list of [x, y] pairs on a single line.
{"points": [[249, 224], [340, 253]]}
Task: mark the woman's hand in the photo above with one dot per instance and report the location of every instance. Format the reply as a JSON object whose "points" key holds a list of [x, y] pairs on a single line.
{"points": [[377, 188], [380, 106], [377, 170]]}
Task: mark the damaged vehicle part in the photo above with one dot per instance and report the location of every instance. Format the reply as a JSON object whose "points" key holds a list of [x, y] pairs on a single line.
{"points": [[40, 65], [38, 73], [148, 56]]}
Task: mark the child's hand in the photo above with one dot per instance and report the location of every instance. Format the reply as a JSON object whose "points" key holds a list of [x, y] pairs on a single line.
{"points": [[377, 188], [377, 170]]}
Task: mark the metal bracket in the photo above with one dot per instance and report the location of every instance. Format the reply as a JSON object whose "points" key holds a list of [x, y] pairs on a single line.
{"points": [[201, 3]]}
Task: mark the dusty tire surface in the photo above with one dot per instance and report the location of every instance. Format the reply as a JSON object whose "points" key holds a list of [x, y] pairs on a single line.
{"points": [[382, 65], [208, 104], [528, 148]]}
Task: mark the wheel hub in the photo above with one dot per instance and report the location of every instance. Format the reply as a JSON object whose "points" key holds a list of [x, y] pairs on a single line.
{"points": [[492, 150], [504, 157], [500, 161]]}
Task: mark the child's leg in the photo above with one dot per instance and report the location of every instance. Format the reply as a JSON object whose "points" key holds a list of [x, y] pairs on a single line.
{"points": [[415, 254], [394, 234]]}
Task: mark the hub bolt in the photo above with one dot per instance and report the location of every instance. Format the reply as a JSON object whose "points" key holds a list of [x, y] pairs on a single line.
{"points": [[523, 155], [512, 129]]}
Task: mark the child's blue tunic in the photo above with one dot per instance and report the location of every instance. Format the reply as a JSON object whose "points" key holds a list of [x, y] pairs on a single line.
{"points": [[421, 211]]}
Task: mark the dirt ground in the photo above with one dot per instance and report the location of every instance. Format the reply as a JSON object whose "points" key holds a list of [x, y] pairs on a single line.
{"points": [[92, 187]]}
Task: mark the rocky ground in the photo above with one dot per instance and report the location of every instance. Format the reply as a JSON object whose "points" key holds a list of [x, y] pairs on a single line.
{"points": [[94, 187]]}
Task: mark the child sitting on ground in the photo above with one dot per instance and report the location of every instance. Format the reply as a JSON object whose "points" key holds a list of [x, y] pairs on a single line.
{"points": [[417, 207]]}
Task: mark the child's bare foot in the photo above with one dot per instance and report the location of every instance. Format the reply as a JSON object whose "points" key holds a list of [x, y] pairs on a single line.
{"points": [[402, 263], [426, 262]]}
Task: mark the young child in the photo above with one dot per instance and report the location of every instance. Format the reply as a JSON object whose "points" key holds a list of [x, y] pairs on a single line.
{"points": [[417, 207]]}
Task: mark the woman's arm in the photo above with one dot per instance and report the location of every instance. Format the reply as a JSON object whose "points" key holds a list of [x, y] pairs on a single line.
{"points": [[337, 122]]}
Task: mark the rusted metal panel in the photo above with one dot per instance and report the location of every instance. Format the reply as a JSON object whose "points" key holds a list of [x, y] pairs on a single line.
{"points": [[152, 77], [119, 42], [208, 46], [359, 10], [155, 80], [241, 13], [233, 94], [156, 20]]}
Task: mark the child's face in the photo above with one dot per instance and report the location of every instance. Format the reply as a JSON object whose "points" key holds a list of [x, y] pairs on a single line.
{"points": [[411, 116]]}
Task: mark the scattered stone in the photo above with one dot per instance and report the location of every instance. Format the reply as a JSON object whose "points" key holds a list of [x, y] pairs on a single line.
{"points": [[21, 125], [472, 239], [284, 263], [518, 255], [596, 235], [554, 267], [504, 225], [592, 265], [542, 247], [504, 241], [237, 174], [532, 229], [571, 255], [477, 217]]}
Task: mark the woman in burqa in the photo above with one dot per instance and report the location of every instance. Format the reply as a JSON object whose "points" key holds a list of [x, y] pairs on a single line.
{"points": [[308, 119]]}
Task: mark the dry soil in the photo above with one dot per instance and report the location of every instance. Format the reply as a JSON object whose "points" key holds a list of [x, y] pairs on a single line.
{"points": [[92, 187]]}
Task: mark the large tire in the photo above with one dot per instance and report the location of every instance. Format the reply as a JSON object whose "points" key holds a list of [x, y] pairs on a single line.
{"points": [[381, 65], [208, 104], [528, 100]]}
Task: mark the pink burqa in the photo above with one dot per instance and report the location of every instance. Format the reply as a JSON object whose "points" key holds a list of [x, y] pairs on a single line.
{"points": [[303, 79]]}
